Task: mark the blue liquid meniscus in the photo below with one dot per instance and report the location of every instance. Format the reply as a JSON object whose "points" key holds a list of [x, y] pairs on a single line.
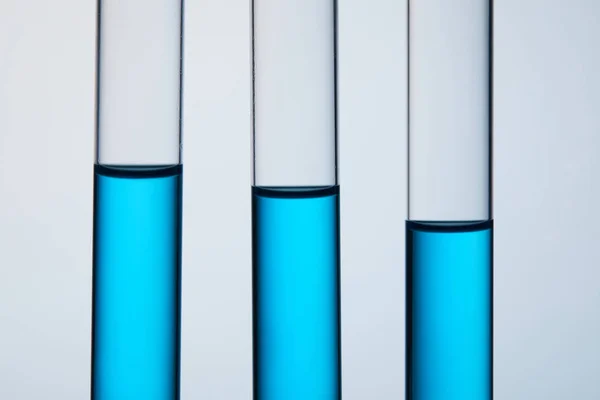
{"points": [[137, 280], [449, 311], [296, 293]]}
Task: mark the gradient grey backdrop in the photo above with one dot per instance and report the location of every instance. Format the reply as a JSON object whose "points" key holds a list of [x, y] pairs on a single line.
{"points": [[547, 140]]}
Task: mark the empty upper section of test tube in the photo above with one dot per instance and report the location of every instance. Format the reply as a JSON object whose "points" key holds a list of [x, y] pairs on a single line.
{"points": [[450, 64], [294, 93], [139, 82]]}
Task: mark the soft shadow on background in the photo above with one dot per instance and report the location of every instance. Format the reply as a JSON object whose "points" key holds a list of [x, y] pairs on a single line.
{"points": [[547, 290]]}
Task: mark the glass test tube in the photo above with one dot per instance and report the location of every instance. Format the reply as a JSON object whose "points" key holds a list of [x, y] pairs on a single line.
{"points": [[295, 201], [449, 227], [137, 201]]}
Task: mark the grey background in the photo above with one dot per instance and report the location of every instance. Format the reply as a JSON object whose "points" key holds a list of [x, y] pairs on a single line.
{"points": [[547, 127]]}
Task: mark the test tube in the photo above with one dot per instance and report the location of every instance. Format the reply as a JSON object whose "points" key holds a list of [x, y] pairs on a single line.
{"points": [[137, 201], [295, 204], [449, 227]]}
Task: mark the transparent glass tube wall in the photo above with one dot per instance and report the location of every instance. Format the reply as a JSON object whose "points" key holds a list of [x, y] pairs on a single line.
{"points": [[137, 201], [139, 82], [449, 228], [295, 201], [294, 93], [449, 153]]}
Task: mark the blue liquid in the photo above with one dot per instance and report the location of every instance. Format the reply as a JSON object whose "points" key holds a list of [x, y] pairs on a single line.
{"points": [[137, 273], [449, 311], [296, 294]]}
